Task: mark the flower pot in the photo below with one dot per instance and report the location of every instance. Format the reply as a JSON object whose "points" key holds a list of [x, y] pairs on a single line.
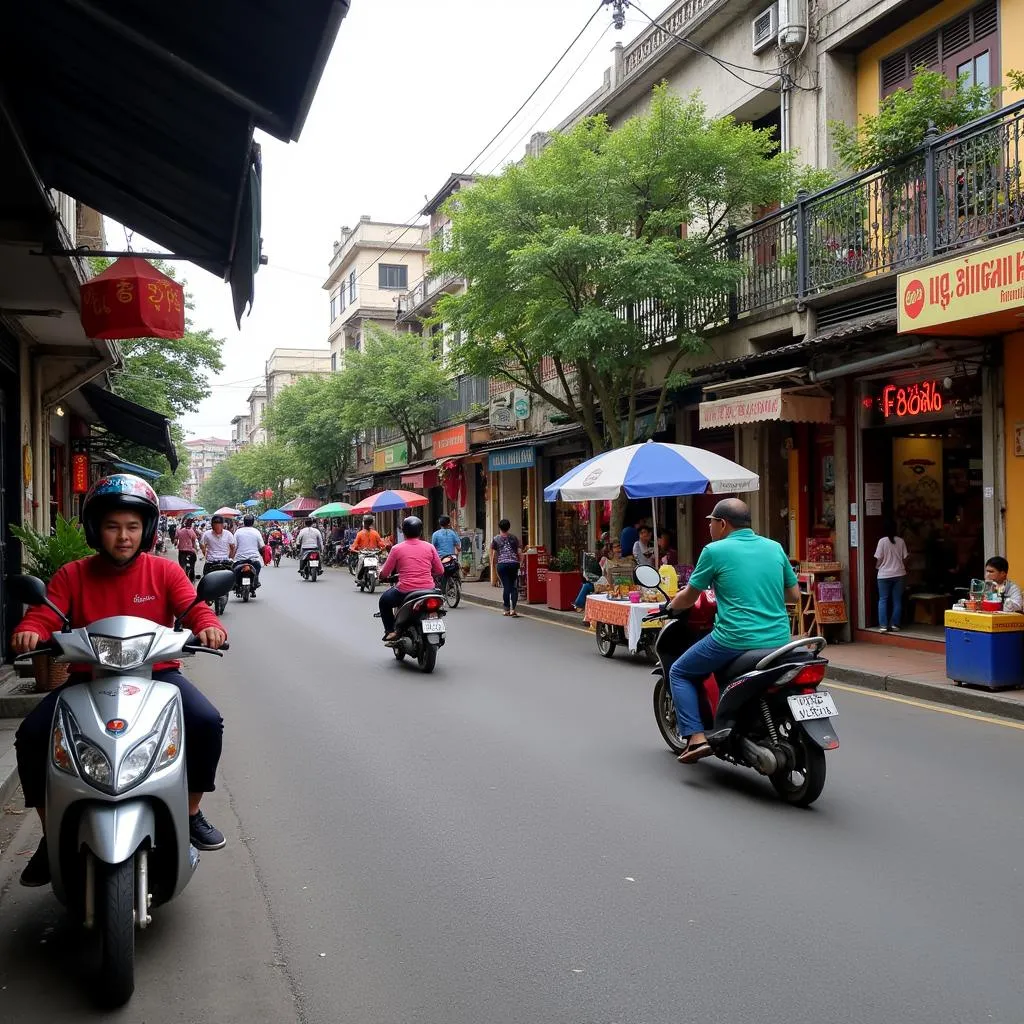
{"points": [[49, 674], [562, 589]]}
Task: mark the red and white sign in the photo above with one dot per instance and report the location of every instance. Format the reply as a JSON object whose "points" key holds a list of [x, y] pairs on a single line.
{"points": [[775, 404], [79, 473], [451, 442]]}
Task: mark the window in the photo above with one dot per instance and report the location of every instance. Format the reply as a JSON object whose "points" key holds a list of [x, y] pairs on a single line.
{"points": [[352, 286], [341, 296], [392, 277], [334, 307], [967, 45], [334, 362]]}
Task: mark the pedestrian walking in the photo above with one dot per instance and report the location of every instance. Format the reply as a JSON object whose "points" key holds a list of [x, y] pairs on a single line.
{"points": [[506, 557], [890, 561]]}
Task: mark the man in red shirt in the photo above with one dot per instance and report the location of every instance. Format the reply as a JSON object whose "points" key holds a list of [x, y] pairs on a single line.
{"points": [[417, 565], [120, 517]]}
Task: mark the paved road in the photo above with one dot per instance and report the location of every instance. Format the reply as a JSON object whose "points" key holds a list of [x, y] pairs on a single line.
{"points": [[508, 841]]}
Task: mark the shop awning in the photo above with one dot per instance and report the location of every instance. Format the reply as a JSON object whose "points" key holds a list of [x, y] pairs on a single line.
{"points": [[133, 422], [774, 404], [131, 467], [420, 479], [146, 113]]}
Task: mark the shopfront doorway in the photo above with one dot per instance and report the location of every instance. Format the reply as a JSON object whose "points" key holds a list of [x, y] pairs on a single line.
{"points": [[922, 474]]}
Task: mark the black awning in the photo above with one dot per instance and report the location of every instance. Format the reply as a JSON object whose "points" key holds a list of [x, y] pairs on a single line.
{"points": [[146, 112], [133, 422]]}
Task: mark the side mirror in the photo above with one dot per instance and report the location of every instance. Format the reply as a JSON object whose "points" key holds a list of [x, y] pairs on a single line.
{"points": [[32, 590], [215, 584], [647, 576]]}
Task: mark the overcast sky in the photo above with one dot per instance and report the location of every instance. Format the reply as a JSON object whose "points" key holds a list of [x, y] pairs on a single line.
{"points": [[412, 92]]}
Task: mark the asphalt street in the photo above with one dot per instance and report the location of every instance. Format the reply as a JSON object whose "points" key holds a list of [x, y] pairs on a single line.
{"points": [[508, 840]]}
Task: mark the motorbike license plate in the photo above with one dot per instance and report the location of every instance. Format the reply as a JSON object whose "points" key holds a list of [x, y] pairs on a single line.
{"points": [[370, 563], [246, 582], [433, 626], [806, 706]]}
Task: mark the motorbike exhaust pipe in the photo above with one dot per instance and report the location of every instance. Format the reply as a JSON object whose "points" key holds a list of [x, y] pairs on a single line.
{"points": [[761, 757], [406, 644]]}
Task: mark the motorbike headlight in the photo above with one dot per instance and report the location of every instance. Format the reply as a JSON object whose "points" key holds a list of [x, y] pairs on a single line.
{"points": [[115, 652], [159, 749], [136, 762], [95, 764]]}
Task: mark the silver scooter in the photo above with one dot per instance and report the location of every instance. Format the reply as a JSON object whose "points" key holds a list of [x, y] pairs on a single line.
{"points": [[116, 789]]}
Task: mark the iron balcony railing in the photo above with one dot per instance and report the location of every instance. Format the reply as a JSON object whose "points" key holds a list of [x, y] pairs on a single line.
{"points": [[955, 190], [422, 292], [469, 391]]}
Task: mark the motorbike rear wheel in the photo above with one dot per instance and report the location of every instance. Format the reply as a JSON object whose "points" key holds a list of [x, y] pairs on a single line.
{"points": [[116, 905], [800, 786], [372, 585], [452, 592], [353, 564], [313, 575], [605, 643], [427, 658], [665, 715], [245, 595]]}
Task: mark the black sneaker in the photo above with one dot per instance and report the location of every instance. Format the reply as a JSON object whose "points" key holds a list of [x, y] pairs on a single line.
{"points": [[203, 835], [37, 870]]}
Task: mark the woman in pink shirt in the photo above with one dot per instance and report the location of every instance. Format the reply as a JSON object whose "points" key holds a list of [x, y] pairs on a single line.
{"points": [[186, 541], [417, 565]]}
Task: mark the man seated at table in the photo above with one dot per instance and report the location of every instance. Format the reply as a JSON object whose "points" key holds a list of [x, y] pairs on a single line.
{"points": [[588, 587], [996, 570]]}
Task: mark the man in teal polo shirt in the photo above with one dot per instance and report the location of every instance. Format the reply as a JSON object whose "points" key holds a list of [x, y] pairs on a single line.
{"points": [[752, 580]]}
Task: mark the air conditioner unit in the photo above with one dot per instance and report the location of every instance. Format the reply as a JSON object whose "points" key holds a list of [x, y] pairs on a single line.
{"points": [[765, 28]]}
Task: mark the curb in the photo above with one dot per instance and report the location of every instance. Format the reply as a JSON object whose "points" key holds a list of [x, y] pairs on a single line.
{"points": [[954, 696], [8, 777], [527, 611]]}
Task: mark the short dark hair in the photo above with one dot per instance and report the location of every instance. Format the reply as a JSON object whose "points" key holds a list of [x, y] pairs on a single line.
{"points": [[998, 563], [503, 525]]}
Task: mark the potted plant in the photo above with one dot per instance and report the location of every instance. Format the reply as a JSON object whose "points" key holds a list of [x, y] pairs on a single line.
{"points": [[42, 555], [564, 580]]}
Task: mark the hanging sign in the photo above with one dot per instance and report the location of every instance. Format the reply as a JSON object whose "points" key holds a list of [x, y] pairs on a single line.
{"points": [[451, 442], [132, 299], [522, 457], [79, 473]]}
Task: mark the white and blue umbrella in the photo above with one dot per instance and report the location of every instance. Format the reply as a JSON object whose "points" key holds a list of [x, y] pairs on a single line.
{"points": [[652, 470]]}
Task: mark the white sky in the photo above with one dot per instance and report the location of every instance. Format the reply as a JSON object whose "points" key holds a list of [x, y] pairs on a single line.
{"points": [[412, 91]]}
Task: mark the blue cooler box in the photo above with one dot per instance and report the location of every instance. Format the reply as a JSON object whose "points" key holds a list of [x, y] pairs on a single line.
{"points": [[992, 660]]}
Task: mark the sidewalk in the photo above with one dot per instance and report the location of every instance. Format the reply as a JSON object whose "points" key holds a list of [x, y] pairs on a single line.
{"points": [[917, 674]]}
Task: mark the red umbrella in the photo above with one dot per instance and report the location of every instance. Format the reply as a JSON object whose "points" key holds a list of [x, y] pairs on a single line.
{"points": [[300, 506]]}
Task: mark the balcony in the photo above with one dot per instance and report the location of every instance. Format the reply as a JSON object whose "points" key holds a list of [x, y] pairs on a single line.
{"points": [[422, 294], [469, 391], [957, 191], [677, 20]]}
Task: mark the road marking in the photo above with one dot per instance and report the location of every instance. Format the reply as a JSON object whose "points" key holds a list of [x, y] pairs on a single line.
{"points": [[862, 691]]}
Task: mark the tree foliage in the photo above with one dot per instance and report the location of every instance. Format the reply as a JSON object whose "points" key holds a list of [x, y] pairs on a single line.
{"points": [[393, 382], [564, 251], [311, 418], [222, 487], [258, 467]]}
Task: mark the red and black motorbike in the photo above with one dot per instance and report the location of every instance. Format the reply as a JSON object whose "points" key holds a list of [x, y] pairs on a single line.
{"points": [[246, 580], [762, 711], [310, 565]]}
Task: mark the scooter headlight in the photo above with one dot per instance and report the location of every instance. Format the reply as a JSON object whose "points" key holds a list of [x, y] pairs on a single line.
{"points": [[127, 652], [159, 749], [95, 764]]}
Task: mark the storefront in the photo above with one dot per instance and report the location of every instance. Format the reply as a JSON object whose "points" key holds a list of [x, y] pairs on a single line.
{"points": [[511, 475]]}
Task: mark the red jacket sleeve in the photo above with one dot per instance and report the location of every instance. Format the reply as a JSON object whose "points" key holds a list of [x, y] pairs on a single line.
{"points": [[42, 620], [182, 595]]}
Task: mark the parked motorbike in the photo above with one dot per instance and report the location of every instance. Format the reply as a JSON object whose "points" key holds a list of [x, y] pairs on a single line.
{"points": [[367, 575], [311, 566], [116, 788], [420, 628], [770, 714], [450, 584], [220, 601], [245, 579]]}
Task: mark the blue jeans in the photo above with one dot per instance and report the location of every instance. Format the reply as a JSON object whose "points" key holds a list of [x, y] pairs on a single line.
{"points": [[508, 573], [581, 598], [688, 672], [890, 595]]}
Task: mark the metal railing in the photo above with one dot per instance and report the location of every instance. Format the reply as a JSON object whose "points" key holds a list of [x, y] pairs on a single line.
{"points": [[425, 289], [677, 21], [469, 391]]}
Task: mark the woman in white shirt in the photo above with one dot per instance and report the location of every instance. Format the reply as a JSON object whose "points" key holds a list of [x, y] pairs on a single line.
{"points": [[890, 560]]}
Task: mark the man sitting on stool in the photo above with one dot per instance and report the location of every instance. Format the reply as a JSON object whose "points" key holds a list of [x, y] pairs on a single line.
{"points": [[996, 569]]}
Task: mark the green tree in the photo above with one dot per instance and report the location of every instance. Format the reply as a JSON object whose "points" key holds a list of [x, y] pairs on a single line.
{"points": [[168, 376], [310, 418], [393, 382], [564, 251], [271, 466], [222, 487]]}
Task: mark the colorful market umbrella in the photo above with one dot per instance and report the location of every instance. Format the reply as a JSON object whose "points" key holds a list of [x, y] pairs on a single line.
{"points": [[331, 510], [388, 501], [301, 506], [251, 503], [172, 505], [227, 511], [273, 515], [652, 470]]}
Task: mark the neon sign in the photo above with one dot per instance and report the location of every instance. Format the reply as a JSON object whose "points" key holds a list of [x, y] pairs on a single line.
{"points": [[911, 400]]}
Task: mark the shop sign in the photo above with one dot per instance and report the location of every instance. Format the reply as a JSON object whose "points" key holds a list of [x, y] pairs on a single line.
{"points": [[991, 281], [502, 418], [508, 409], [79, 473], [521, 405], [918, 399], [390, 457], [776, 404], [451, 442], [523, 457], [645, 426]]}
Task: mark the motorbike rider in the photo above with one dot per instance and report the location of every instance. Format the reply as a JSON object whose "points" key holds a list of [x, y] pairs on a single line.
{"points": [[309, 539], [752, 580], [249, 546], [275, 538], [186, 542], [417, 565], [445, 540], [367, 539], [119, 517], [217, 543]]}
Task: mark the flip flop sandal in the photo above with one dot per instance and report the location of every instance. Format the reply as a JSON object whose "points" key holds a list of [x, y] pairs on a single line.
{"points": [[514, 615], [695, 752]]}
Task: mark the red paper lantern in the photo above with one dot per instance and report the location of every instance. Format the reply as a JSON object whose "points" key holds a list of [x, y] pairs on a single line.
{"points": [[79, 473], [132, 299]]}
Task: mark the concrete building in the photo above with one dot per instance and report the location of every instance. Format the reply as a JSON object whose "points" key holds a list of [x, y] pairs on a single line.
{"points": [[372, 267], [287, 365], [239, 431], [257, 407], [204, 455]]}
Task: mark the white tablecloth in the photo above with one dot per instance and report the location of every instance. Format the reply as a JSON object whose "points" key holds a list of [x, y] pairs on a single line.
{"points": [[621, 613]]}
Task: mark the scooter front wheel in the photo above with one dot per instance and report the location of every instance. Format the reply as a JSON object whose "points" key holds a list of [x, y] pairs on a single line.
{"points": [[116, 904], [452, 592], [665, 715]]}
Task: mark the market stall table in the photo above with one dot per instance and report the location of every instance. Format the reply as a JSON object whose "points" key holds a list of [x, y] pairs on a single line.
{"points": [[985, 649], [619, 622]]}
